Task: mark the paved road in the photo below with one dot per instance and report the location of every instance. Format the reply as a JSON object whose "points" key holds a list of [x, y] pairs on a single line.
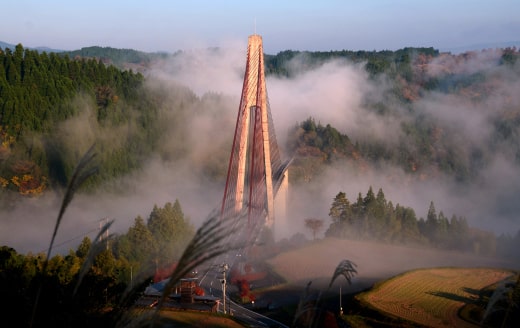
{"points": [[251, 318], [211, 282]]}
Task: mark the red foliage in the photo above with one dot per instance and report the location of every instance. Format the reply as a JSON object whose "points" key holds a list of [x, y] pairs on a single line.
{"points": [[163, 273], [199, 291], [244, 289], [330, 320]]}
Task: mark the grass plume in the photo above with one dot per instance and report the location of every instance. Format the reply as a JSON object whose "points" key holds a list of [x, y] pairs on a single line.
{"points": [[213, 239], [82, 172], [96, 248]]}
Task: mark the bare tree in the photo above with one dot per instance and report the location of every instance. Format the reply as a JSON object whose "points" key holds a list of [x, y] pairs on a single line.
{"points": [[314, 225]]}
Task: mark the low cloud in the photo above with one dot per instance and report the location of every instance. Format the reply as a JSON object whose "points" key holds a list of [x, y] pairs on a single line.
{"points": [[334, 93]]}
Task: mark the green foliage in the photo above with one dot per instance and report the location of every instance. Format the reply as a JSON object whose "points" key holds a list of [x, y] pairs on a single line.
{"points": [[70, 297], [374, 217], [313, 145], [394, 63], [38, 91], [84, 248], [117, 57], [171, 230], [509, 56]]}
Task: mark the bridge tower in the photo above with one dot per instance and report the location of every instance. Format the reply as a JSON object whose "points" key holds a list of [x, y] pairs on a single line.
{"points": [[255, 173]]}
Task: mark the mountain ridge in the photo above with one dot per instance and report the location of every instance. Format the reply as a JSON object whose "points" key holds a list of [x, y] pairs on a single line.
{"points": [[452, 49]]}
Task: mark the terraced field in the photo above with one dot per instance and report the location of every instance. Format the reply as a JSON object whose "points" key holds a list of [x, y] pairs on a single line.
{"points": [[432, 297]]}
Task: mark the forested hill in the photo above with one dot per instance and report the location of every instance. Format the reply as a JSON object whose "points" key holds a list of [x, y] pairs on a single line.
{"points": [[38, 91], [376, 61], [122, 58], [435, 97]]}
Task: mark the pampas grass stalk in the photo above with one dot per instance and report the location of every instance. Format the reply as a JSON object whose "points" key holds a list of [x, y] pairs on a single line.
{"points": [[95, 249], [210, 241], [81, 173]]}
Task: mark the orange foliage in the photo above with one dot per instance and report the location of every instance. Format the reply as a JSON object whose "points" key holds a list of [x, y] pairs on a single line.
{"points": [[5, 143], [199, 291], [26, 176], [29, 185], [245, 291], [5, 139]]}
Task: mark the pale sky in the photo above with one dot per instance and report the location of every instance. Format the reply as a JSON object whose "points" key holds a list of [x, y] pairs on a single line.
{"points": [[323, 25]]}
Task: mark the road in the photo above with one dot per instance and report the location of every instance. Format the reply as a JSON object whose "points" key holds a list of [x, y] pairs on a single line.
{"points": [[251, 318], [211, 281]]}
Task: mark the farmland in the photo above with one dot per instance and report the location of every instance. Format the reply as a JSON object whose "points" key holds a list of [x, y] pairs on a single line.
{"points": [[375, 261], [432, 297], [410, 282]]}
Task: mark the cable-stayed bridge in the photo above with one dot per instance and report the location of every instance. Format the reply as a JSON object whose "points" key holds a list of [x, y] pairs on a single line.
{"points": [[256, 174]]}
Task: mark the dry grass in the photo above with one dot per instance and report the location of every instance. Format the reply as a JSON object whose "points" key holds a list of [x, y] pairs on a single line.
{"points": [[432, 297], [196, 319], [176, 318]]}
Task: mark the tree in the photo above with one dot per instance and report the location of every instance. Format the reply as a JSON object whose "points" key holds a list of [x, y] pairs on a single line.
{"points": [[370, 197], [171, 230], [431, 222], [314, 225], [340, 208], [441, 233], [341, 215], [83, 248], [138, 245]]}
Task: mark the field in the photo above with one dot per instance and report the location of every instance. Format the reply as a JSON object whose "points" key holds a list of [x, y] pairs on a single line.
{"points": [[449, 279], [375, 261], [422, 286], [432, 297]]}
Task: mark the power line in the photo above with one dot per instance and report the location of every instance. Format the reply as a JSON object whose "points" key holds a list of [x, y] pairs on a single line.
{"points": [[71, 239]]}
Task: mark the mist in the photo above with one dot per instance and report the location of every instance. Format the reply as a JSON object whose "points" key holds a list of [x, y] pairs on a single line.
{"points": [[334, 93]]}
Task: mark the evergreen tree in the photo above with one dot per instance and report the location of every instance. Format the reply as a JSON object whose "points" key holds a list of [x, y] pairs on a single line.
{"points": [[378, 215], [84, 248], [441, 233], [138, 245], [340, 208], [171, 230], [431, 222], [341, 215], [409, 225]]}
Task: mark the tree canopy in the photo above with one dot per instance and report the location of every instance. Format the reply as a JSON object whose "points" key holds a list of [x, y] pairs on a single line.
{"points": [[374, 217]]}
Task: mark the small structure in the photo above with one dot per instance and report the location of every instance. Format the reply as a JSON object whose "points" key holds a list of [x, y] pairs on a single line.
{"points": [[187, 295], [188, 289]]}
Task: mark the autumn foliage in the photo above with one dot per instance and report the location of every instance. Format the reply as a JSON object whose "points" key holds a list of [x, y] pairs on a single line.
{"points": [[23, 176], [245, 291]]}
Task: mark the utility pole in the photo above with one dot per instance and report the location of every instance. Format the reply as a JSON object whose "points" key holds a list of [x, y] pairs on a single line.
{"points": [[340, 307], [224, 269], [102, 223]]}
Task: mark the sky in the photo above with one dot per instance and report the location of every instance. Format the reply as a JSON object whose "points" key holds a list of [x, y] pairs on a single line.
{"points": [[285, 25]]}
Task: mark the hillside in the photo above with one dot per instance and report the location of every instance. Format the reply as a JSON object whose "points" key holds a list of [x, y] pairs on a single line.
{"points": [[441, 297], [427, 145], [308, 271], [122, 58], [375, 261], [404, 119], [430, 125]]}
